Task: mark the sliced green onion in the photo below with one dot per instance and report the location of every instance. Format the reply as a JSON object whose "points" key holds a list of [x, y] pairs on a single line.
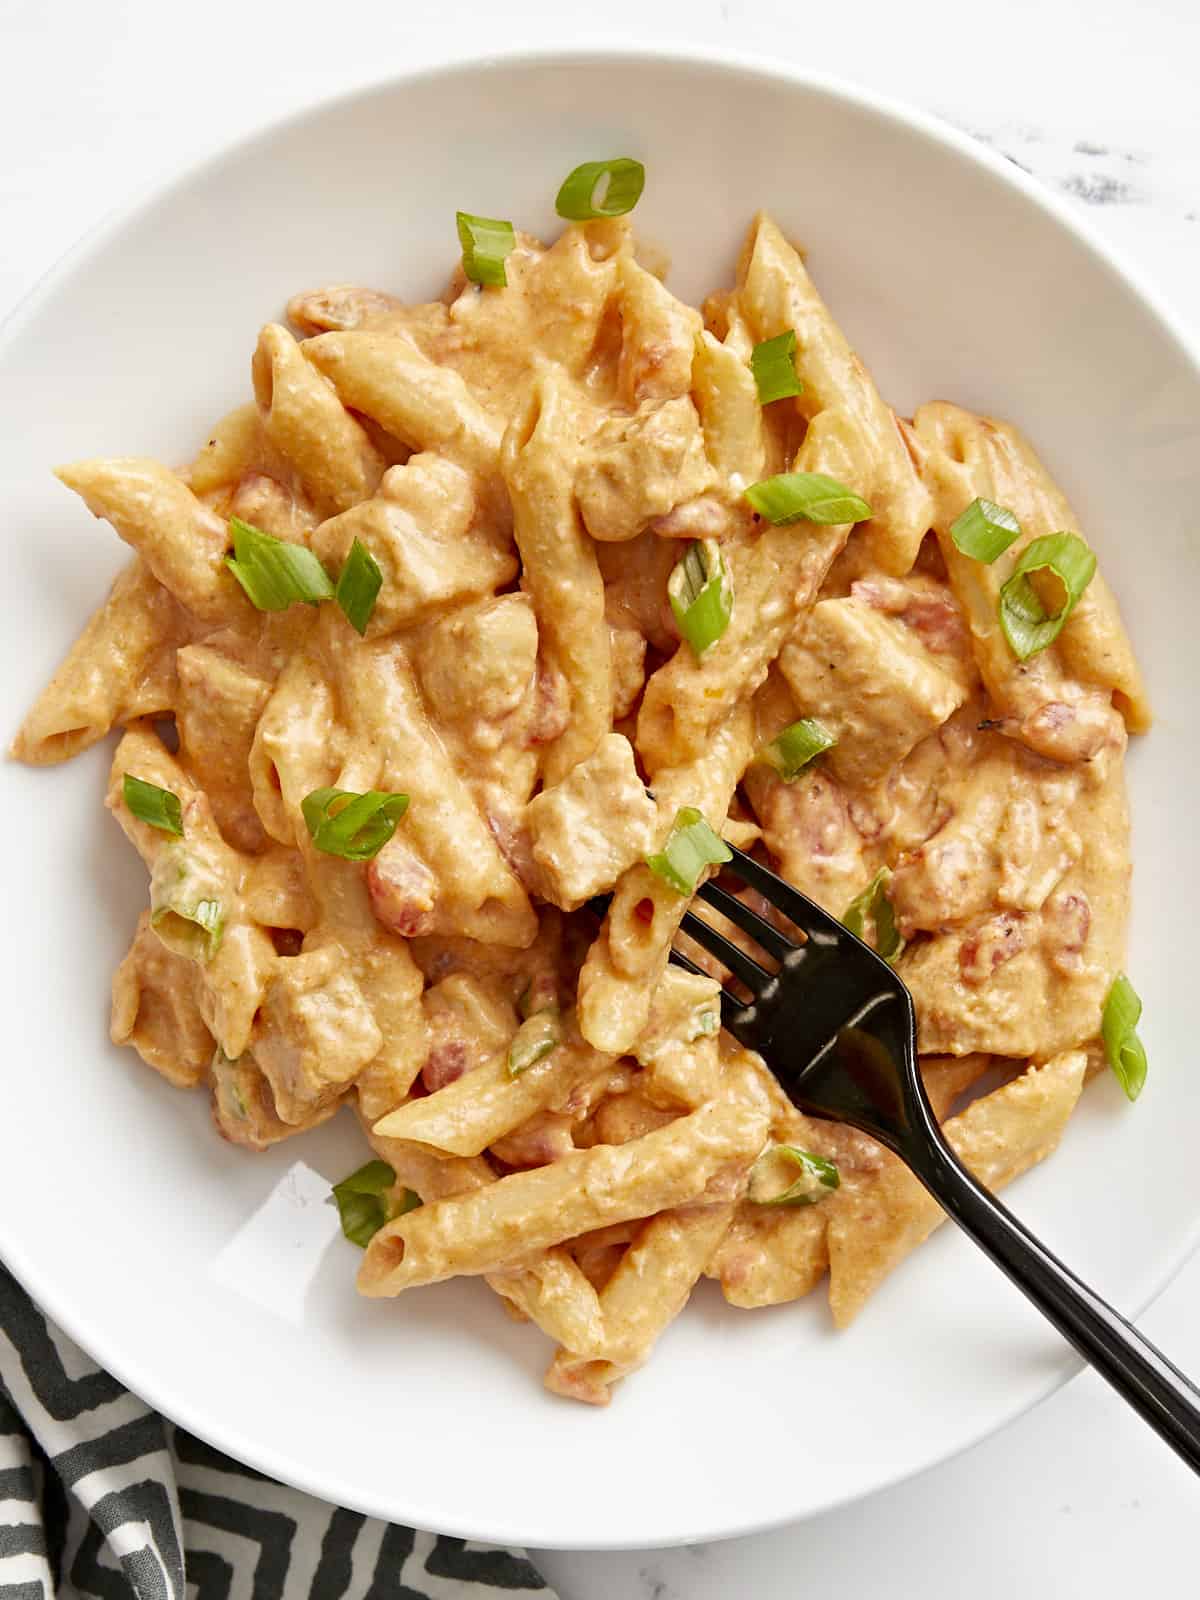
{"points": [[486, 241], [796, 746], [224, 1070], [873, 905], [701, 594], [1118, 1028], [706, 1024], [353, 826], [365, 1203], [1027, 625], [769, 1174], [691, 846], [790, 496], [273, 572], [773, 363], [358, 586], [148, 803], [186, 907], [985, 530], [577, 199], [533, 1040]]}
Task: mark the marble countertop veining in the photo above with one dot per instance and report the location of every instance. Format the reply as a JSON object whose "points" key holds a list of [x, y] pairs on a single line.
{"points": [[1077, 1497]]}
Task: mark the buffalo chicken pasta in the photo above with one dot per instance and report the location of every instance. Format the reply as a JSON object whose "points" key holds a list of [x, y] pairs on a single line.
{"points": [[482, 609]]}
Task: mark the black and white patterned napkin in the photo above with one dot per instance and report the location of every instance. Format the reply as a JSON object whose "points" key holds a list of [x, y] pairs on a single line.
{"points": [[101, 1496]]}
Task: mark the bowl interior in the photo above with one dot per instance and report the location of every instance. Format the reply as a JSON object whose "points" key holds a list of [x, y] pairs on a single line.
{"points": [[217, 1284]]}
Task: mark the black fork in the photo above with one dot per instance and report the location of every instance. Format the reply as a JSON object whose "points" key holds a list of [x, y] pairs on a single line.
{"points": [[836, 1026]]}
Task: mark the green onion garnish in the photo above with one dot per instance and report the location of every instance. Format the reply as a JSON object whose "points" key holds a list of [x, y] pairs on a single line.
{"points": [[207, 916], [773, 363], [358, 586], [186, 909], [364, 1204], [701, 594], [353, 826], [1118, 1028], [148, 803], [873, 904], [577, 198], [795, 747], [485, 241], [984, 530], [790, 496], [273, 572], [1027, 625], [691, 846], [816, 1177], [535, 1038]]}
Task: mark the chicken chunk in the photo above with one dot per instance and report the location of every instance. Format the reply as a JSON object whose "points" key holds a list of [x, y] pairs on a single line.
{"points": [[587, 829], [316, 1032], [871, 682]]}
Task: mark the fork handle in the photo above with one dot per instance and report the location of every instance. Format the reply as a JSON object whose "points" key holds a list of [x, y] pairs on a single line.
{"points": [[1139, 1372]]}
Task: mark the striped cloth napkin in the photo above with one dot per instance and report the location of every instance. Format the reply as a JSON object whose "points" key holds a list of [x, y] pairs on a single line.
{"points": [[101, 1496]]}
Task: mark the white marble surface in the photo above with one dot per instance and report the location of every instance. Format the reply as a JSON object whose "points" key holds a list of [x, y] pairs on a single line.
{"points": [[1098, 102]]}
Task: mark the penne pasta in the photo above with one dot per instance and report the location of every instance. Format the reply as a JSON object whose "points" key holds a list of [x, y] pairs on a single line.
{"points": [[776, 295], [560, 572], [873, 1225], [489, 1101], [196, 909], [180, 539], [1059, 702], [309, 426], [122, 666], [425, 791], [530, 1211], [646, 1293], [425, 406]]}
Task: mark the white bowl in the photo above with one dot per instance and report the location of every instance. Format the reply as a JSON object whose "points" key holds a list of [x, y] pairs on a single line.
{"points": [[214, 1282]]}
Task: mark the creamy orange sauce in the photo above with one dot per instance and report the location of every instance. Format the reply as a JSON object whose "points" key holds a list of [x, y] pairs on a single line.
{"points": [[526, 465]]}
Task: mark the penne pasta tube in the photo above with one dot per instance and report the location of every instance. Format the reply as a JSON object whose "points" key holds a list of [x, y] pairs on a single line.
{"points": [[431, 1176], [642, 1298], [425, 406], [292, 753], [627, 959], [775, 294], [121, 666], [489, 1101], [774, 578], [559, 570], [236, 449], [530, 1211], [196, 906], [554, 1293], [181, 540], [304, 420], [874, 1224], [730, 414], [1059, 701]]}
